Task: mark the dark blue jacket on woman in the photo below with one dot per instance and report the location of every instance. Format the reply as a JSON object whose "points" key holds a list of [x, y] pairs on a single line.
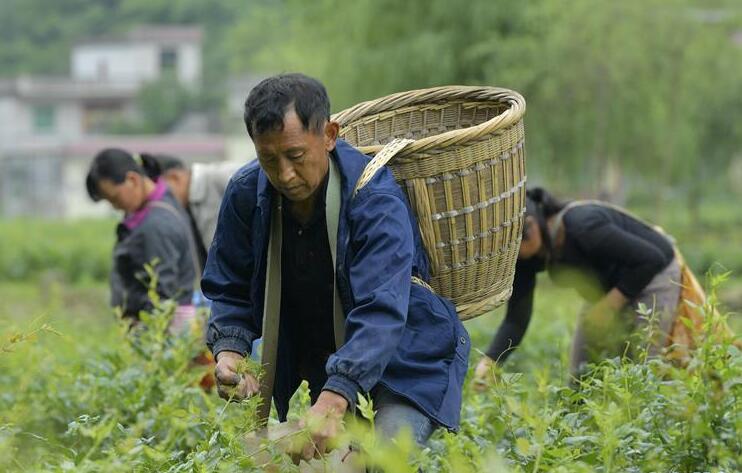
{"points": [[398, 334]]}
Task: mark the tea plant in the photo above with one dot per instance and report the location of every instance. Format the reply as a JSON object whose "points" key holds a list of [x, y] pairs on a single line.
{"points": [[135, 405]]}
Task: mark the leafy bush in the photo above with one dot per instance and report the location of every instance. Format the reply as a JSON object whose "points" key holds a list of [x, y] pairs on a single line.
{"points": [[74, 251], [135, 405]]}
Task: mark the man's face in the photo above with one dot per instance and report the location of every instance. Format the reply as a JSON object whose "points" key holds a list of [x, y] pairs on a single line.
{"points": [[179, 181], [295, 160]]}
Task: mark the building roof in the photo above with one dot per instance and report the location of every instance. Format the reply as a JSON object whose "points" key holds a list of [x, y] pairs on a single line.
{"points": [[65, 88], [186, 146], [167, 34]]}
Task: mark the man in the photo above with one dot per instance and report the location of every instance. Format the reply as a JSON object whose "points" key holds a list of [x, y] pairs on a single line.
{"points": [[199, 189], [402, 344]]}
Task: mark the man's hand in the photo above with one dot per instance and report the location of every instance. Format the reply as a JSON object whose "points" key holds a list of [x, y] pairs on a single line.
{"points": [[230, 384], [324, 420]]}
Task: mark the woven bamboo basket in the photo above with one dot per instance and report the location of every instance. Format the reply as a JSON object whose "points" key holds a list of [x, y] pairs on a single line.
{"points": [[459, 154]]}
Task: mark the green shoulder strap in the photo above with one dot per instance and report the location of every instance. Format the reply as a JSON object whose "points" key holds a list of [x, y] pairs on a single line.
{"points": [[272, 300], [271, 311]]}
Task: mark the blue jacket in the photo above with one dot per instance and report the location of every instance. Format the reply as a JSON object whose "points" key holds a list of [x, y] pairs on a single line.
{"points": [[398, 334]]}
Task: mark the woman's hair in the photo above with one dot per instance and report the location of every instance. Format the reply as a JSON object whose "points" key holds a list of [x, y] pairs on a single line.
{"points": [[113, 164], [162, 163], [541, 205]]}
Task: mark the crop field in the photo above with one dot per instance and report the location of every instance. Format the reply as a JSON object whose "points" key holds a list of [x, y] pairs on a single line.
{"points": [[78, 394]]}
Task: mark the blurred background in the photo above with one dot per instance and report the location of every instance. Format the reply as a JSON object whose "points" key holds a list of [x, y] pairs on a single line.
{"points": [[638, 102]]}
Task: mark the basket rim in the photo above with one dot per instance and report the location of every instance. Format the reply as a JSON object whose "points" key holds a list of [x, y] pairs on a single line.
{"points": [[516, 109]]}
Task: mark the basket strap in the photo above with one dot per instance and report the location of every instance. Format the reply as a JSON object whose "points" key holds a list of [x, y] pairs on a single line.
{"points": [[380, 160], [382, 157]]}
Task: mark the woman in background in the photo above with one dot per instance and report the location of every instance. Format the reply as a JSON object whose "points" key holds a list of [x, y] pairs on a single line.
{"points": [[154, 230], [615, 262]]}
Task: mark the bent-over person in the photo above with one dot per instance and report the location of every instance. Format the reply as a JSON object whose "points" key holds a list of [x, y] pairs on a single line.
{"points": [[401, 343]]}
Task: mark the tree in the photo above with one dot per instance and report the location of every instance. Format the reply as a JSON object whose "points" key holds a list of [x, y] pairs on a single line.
{"points": [[650, 86]]}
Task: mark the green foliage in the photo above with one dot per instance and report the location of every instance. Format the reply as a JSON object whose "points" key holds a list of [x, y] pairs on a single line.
{"points": [[16, 338], [130, 402], [37, 35], [161, 103], [73, 251], [655, 93]]}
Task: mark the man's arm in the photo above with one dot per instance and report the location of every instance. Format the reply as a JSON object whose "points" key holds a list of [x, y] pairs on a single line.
{"points": [[226, 281], [380, 273], [518, 315]]}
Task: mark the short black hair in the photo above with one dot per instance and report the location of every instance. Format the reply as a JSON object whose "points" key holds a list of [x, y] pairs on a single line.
{"points": [[162, 163], [270, 100], [541, 205], [112, 164]]}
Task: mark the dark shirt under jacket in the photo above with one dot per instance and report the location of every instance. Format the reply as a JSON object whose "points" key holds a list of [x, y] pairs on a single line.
{"points": [[602, 245], [307, 292]]}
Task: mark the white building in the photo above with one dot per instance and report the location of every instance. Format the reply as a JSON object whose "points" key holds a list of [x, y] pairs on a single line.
{"points": [[51, 127], [145, 54]]}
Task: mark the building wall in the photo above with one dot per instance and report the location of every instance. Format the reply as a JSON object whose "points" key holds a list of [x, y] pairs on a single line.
{"points": [[44, 147], [77, 203], [30, 186], [20, 123], [10, 126], [134, 62], [115, 62], [189, 64]]}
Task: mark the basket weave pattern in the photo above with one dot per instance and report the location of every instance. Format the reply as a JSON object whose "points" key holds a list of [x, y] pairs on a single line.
{"points": [[464, 175]]}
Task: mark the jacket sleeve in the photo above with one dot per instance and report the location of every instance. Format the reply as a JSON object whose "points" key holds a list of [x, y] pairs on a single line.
{"points": [[518, 315], [379, 274], [227, 277]]}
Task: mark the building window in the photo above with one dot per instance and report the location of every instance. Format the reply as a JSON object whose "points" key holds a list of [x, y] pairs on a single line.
{"points": [[168, 60], [43, 118]]}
